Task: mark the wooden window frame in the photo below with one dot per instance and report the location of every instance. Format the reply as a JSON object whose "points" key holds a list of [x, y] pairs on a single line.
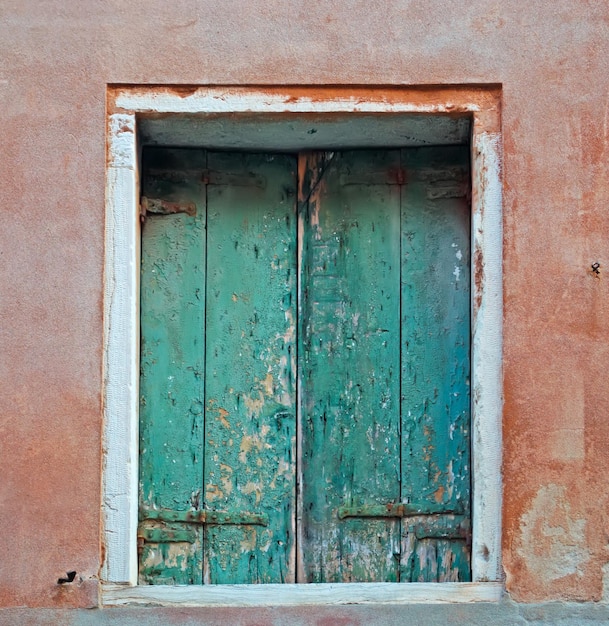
{"points": [[125, 105]]}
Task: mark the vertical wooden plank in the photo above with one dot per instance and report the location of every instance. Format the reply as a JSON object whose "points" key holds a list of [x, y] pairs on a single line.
{"points": [[250, 365], [349, 363], [436, 353], [172, 351]]}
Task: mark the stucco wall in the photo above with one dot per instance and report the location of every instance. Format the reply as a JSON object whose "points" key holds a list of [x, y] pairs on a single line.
{"points": [[551, 59]]}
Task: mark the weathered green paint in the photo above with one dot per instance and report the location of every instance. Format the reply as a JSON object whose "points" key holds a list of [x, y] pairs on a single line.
{"points": [[435, 352], [385, 357], [379, 264], [172, 359], [349, 366], [250, 424], [218, 330]]}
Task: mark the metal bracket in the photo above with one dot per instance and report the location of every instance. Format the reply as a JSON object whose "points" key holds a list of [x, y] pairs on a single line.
{"points": [[442, 527], [172, 529]]}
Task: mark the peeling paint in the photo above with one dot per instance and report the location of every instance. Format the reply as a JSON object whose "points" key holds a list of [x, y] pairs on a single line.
{"points": [[553, 541], [239, 100]]}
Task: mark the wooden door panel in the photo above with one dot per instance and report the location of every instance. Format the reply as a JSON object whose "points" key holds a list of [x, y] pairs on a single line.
{"points": [[250, 388], [349, 366], [172, 327], [435, 352]]}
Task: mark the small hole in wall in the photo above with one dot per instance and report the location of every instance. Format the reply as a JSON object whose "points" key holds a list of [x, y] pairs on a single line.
{"points": [[70, 576]]}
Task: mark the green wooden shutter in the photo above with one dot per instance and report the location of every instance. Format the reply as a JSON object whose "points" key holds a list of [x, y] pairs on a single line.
{"points": [[350, 365], [250, 425], [435, 364], [384, 366], [217, 413], [172, 321], [377, 426]]}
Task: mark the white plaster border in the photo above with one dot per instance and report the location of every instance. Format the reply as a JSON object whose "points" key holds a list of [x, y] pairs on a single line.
{"points": [[121, 349]]}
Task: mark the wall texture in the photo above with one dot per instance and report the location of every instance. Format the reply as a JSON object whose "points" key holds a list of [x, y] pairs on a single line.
{"points": [[552, 61]]}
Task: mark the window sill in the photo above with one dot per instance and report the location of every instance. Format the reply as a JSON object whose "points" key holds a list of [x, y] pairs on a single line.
{"points": [[295, 595]]}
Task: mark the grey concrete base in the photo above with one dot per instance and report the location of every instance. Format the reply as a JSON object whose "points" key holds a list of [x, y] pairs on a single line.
{"points": [[505, 613]]}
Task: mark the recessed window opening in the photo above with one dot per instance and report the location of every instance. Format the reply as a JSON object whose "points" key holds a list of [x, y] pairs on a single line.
{"points": [[281, 224]]}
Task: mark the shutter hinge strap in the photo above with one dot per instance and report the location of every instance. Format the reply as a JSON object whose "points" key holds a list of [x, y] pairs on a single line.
{"points": [[424, 521]]}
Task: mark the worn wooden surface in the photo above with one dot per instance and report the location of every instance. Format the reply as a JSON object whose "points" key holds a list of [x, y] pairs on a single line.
{"points": [[172, 360], [371, 288], [435, 353], [250, 388], [349, 366]]}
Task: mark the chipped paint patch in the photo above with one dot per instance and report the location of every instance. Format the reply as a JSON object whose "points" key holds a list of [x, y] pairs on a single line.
{"points": [[553, 540], [244, 100], [254, 405], [222, 415], [267, 384], [254, 442], [213, 492], [252, 487]]}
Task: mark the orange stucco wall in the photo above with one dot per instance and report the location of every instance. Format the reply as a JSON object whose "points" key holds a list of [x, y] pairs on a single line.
{"points": [[551, 59]]}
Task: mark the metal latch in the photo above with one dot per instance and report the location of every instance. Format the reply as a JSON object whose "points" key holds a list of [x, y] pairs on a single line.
{"points": [[442, 527], [166, 535]]}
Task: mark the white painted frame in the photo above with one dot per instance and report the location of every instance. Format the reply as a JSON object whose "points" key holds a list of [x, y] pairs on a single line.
{"points": [[121, 348]]}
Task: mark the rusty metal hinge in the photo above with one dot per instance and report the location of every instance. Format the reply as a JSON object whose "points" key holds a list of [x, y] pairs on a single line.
{"points": [[439, 522], [163, 207]]}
